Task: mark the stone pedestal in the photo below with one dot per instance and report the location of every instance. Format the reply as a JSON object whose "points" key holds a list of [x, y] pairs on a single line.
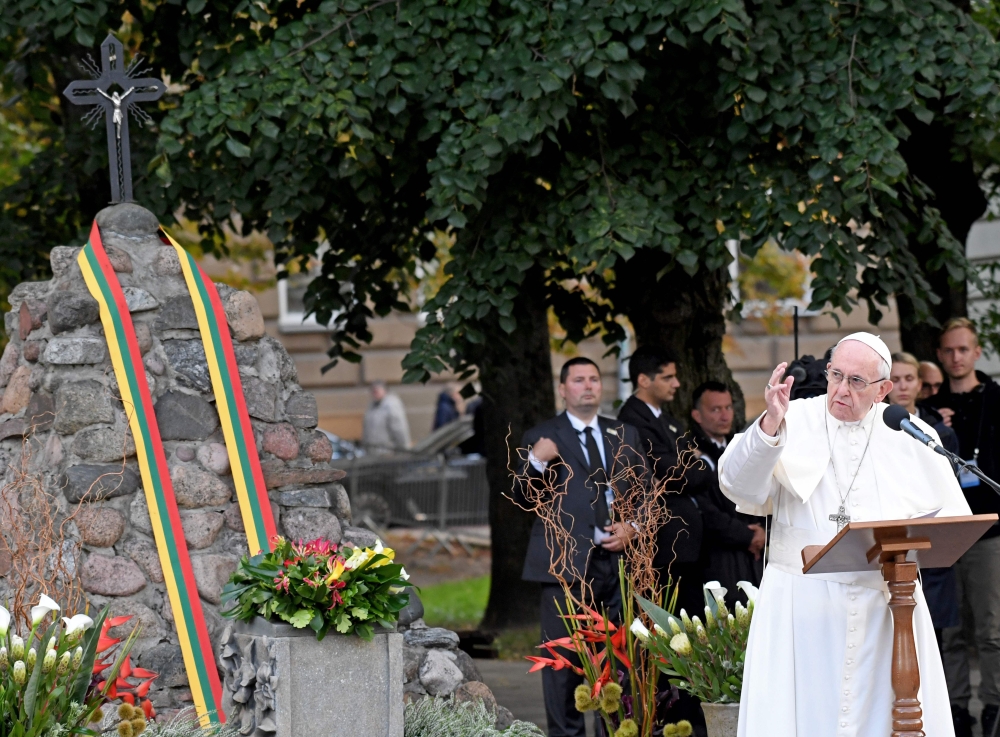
{"points": [[280, 682]]}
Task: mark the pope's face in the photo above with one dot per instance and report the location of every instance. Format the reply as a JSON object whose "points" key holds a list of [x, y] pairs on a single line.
{"points": [[854, 359]]}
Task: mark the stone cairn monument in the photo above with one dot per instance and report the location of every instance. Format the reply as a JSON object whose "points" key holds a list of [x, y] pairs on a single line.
{"points": [[59, 387]]}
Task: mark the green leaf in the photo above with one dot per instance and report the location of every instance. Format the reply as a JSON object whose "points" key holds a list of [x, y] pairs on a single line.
{"points": [[83, 36], [268, 128], [237, 149], [756, 94], [89, 645], [195, 6], [396, 105], [617, 51]]}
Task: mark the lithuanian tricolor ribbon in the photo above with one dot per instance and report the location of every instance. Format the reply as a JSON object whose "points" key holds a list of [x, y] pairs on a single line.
{"points": [[196, 646]]}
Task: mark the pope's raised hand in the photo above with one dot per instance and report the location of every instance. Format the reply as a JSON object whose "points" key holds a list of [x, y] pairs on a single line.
{"points": [[776, 396]]}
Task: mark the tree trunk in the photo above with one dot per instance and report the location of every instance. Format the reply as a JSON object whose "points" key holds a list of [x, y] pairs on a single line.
{"points": [[684, 315], [957, 195], [516, 375]]}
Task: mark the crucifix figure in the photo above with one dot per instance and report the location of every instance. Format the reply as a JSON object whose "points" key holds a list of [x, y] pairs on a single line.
{"points": [[114, 90]]}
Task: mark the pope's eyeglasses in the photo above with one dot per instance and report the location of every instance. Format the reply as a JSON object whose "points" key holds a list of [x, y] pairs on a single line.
{"points": [[856, 383]]}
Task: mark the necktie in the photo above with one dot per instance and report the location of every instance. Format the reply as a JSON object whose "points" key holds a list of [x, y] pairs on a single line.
{"points": [[599, 477]]}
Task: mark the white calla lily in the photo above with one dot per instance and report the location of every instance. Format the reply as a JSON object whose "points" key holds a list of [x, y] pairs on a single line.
{"points": [[45, 605], [749, 589], [639, 629], [77, 624], [4, 622], [717, 590]]}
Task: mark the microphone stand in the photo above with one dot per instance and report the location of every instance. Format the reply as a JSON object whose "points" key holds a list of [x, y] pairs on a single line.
{"points": [[970, 467]]}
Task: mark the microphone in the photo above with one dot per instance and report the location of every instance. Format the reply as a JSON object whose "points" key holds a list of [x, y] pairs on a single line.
{"points": [[897, 418]]}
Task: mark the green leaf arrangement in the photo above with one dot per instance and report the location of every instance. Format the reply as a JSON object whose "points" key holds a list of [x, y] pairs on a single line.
{"points": [[319, 585], [705, 659]]}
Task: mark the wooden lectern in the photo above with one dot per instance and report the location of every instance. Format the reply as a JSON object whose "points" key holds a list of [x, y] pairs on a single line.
{"points": [[897, 546]]}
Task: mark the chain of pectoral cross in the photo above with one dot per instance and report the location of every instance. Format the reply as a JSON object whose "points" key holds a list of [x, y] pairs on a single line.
{"points": [[842, 518], [115, 92]]}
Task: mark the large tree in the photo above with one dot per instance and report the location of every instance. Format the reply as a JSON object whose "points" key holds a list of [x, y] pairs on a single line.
{"points": [[593, 158]]}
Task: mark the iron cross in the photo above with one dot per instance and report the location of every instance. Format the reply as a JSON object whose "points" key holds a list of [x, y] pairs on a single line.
{"points": [[115, 92], [841, 518]]}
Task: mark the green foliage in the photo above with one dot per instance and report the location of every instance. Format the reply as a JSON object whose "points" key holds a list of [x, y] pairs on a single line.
{"points": [[432, 717], [575, 134], [456, 605], [705, 659], [40, 691], [313, 585]]}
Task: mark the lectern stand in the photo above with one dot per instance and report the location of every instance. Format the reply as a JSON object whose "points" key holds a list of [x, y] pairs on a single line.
{"points": [[897, 547]]}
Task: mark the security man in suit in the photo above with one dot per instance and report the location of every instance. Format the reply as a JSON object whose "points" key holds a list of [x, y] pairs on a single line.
{"points": [[654, 375], [589, 447]]}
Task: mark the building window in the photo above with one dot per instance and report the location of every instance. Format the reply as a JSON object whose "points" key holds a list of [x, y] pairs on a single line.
{"points": [[291, 299]]}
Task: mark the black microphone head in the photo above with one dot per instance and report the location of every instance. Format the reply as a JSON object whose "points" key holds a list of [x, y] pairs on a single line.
{"points": [[894, 414], [799, 373]]}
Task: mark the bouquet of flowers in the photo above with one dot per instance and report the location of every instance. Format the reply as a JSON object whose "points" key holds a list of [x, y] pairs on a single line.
{"points": [[703, 658], [319, 585], [54, 677]]}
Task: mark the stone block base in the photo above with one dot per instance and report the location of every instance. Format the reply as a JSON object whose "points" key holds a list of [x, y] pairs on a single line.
{"points": [[280, 682]]}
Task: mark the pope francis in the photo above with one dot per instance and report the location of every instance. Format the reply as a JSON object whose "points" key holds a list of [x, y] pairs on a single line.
{"points": [[819, 654]]}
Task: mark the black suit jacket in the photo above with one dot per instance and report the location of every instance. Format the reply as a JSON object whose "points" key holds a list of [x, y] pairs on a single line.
{"points": [[581, 492], [725, 528], [681, 537]]}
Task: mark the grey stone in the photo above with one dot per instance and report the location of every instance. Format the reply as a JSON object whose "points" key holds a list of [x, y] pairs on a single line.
{"points": [[195, 488], [185, 417], [143, 336], [184, 453], [188, 359], [243, 315], [69, 310], [144, 553], [413, 610], [214, 457], [312, 497], [13, 429], [62, 259], [101, 481], [439, 674], [297, 663], [308, 523], [8, 362], [278, 354], [81, 403], [148, 621], [128, 219], [40, 413], [154, 364], [166, 263], [431, 637], [101, 527], [412, 658], [234, 518], [340, 502], [301, 410], [138, 514], [104, 444], [246, 354], [505, 718], [211, 572], [120, 261], [69, 351], [201, 528], [166, 660], [261, 398], [475, 690], [360, 537], [139, 300], [108, 575], [277, 474], [466, 664], [25, 290], [177, 312]]}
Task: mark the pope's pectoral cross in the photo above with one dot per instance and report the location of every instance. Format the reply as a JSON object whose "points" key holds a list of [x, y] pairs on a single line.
{"points": [[841, 518], [114, 91]]}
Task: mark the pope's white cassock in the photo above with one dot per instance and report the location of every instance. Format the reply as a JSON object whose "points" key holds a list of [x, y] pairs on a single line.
{"points": [[819, 654]]}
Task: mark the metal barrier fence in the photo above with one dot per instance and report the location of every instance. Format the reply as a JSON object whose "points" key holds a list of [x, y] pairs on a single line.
{"points": [[417, 491]]}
